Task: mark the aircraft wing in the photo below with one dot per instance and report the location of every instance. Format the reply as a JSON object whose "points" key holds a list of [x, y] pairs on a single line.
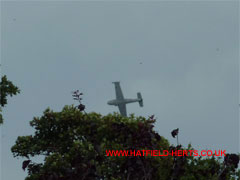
{"points": [[122, 109], [119, 94]]}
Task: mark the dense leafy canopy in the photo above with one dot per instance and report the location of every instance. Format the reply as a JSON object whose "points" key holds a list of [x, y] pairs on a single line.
{"points": [[6, 88], [74, 145]]}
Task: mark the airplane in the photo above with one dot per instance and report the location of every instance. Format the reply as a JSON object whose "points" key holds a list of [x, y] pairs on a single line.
{"points": [[121, 102]]}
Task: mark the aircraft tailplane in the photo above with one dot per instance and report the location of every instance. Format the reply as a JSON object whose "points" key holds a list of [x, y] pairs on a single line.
{"points": [[140, 99]]}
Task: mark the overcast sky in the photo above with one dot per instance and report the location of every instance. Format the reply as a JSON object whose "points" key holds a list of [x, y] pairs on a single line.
{"points": [[182, 56]]}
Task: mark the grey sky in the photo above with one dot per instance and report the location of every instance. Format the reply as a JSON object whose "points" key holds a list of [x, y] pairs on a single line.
{"points": [[182, 56]]}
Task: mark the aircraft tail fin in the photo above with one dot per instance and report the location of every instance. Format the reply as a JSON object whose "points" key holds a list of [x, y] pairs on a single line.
{"points": [[140, 99]]}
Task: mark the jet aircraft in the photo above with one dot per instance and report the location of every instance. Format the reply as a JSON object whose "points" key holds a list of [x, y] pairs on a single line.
{"points": [[121, 102]]}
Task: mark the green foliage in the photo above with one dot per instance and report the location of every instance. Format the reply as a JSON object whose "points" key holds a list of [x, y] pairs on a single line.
{"points": [[74, 145], [6, 88]]}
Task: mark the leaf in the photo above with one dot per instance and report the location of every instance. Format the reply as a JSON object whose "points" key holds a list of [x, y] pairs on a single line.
{"points": [[25, 164], [231, 159], [175, 132], [81, 107], [75, 95], [151, 117]]}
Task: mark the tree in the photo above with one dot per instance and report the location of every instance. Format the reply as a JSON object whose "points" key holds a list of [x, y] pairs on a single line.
{"points": [[6, 88], [74, 145]]}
